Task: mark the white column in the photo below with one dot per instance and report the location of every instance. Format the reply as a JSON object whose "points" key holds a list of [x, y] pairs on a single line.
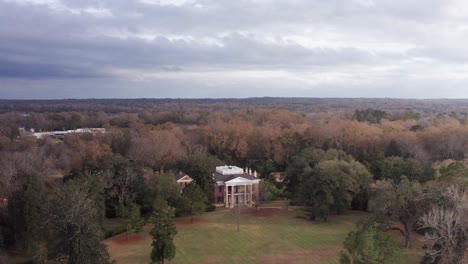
{"points": [[232, 196], [245, 194], [226, 196]]}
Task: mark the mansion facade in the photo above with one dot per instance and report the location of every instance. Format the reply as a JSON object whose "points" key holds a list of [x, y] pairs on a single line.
{"points": [[234, 186]]}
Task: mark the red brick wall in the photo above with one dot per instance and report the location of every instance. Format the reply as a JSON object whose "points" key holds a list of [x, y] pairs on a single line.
{"points": [[217, 193], [182, 185]]}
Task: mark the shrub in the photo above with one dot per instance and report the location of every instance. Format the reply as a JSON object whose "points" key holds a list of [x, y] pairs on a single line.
{"points": [[115, 231], [210, 208]]}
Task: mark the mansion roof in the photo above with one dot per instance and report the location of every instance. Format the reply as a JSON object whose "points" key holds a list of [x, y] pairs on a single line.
{"points": [[218, 177], [181, 175]]}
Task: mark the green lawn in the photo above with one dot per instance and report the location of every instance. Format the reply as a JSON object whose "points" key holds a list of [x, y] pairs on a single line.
{"points": [[266, 236]]}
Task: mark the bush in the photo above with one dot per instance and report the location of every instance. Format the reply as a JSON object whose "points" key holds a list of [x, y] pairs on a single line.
{"points": [[269, 192], [136, 222], [210, 208], [115, 231]]}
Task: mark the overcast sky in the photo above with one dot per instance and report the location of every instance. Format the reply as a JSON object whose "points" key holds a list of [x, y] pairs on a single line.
{"points": [[233, 48]]}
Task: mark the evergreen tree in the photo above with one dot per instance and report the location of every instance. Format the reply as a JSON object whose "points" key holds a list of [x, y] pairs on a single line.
{"points": [[163, 233], [74, 217], [392, 149], [136, 222], [195, 200], [26, 212], [201, 168]]}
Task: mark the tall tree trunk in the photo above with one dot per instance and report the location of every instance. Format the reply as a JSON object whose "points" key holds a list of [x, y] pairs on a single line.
{"points": [[407, 236]]}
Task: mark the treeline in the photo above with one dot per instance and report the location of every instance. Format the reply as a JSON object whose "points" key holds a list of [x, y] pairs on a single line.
{"points": [[299, 105], [246, 135], [53, 190]]}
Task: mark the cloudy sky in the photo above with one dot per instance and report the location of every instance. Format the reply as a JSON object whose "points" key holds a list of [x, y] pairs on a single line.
{"points": [[233, 48]]}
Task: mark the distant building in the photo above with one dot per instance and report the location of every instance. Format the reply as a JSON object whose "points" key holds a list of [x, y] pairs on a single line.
{"points": [[183, 180], [234, 186], [61, 134]]}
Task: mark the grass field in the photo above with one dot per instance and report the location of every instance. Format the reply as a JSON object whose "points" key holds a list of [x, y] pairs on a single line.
{"points": [[267, 236]]}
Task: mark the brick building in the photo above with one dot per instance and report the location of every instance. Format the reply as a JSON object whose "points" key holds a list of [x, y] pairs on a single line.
{"points": [[235, 186], [183, 180]]}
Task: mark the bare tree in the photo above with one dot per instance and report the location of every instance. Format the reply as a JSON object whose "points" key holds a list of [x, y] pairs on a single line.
{"points": [[447, 228], [123, 186], [156, 148]]}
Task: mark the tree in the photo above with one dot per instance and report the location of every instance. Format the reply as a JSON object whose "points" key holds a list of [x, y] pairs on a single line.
{"points": [[201, 168], [331, 186], [395, 167], [164, 186], [367, 245], [446, 228], [401, 202], [156, 148], [370, 115], [455, 173], [160, 205], [74, 223], [163, 234], [136, 222], [392, 149], [268, 191], [123, 182], [26, 212], [305, 161], [22, 183], [195, 199]]}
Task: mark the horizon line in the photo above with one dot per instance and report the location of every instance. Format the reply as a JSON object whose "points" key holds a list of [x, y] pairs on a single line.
{"points": [[224, 98]]}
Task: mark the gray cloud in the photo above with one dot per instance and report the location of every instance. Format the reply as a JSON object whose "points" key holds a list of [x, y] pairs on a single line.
{"points": [[208, 48]]}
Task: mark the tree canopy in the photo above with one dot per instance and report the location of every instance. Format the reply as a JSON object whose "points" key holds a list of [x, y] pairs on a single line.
{"points": [[368, 245], [398, 202], [331, 184]]}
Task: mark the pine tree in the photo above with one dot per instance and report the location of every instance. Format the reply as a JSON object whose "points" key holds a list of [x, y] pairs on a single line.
{"points": [[393, 149], [163, 234], [196, 200], [74, 229], [136, 222]]}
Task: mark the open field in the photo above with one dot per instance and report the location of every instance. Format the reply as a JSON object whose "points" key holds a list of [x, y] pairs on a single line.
{"points": [[266, 236]]}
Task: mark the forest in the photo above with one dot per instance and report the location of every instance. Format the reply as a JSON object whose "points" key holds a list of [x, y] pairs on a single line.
{"points": [[404, 161]]}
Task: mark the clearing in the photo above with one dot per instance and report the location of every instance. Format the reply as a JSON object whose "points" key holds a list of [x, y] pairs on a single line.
{"points": [[268, 235]]}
